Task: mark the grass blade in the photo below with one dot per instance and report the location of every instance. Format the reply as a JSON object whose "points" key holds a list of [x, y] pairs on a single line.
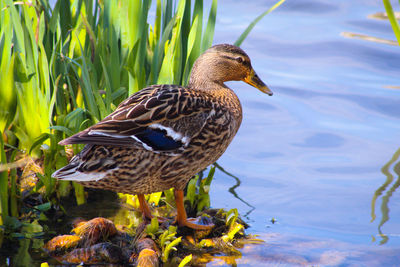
{"points": [[246, 32], [8, 100], [209, 33], [3, 184], [392, 19], [190, 49]]}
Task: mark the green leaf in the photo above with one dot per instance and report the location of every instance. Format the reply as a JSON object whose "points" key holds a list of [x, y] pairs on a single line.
{"points": [[55, 17], [62, 129], [8, 99], [39, 140], [204, 197], [43, 207], [3, 184], [157, 21], [392, 19], [198, 14], [191, 190], [90, 94], [209, 33], [18, 30], [79, 193], [233, 230], [74, 116], [11, 224], [155, 198], [33, 229], [14, 191], [185, 261], [108, 95], [246, 32], [231, 217], [191, 41], [169, 196], [210, 176], [170, 247], [159, 52], [153, 227], [171, 67], [118, 93]]}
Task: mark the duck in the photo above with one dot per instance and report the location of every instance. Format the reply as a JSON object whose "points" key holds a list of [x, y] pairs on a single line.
{"points": [[161, 136]]}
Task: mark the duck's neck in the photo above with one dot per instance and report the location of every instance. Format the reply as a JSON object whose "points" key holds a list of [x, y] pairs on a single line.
{"points": [[205, 74], [218, 90], [202, 84]]}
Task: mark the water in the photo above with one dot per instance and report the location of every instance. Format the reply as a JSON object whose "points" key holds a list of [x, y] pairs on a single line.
{"points": [[314, 155]]}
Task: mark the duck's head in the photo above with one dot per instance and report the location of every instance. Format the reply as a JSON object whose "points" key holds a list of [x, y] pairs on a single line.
{"points": [[222, 63]]}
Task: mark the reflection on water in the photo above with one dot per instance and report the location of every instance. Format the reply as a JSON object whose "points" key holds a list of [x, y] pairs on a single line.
{"points": [[383, 15], [368, 38], [380, 16], [292, 250], [389, 187], [232, 189], [391, 87]]}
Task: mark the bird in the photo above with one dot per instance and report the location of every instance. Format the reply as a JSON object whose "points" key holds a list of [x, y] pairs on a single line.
{"points": [[161, 136]]}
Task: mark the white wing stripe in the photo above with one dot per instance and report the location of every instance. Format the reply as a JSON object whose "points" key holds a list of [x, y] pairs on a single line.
{"points": [[75, 175], [170, 132]]}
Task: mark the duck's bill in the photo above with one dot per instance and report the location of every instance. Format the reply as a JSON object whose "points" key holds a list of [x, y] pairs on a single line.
{"points": [[255, 81]]}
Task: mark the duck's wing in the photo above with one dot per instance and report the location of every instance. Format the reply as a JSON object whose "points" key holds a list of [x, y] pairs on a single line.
{"points": [[160, 118]]}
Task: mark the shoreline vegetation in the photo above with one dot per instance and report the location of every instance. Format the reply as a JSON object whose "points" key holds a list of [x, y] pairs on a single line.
{"points": [[64, 68]]}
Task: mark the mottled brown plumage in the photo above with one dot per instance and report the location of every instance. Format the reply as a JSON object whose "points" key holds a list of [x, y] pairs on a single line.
{"points": [[161, 136]]}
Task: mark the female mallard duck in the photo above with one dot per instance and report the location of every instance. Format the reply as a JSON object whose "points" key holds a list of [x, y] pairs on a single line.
{"points": [[161, 136]]}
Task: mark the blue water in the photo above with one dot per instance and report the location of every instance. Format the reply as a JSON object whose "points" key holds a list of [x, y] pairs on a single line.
{"points": [[311, 156]]}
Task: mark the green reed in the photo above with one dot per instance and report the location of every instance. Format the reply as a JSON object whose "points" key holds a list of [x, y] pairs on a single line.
{"points": [[3, 185], [64, 68], [392, 19]]}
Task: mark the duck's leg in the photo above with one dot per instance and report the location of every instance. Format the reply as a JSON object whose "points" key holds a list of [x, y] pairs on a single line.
{"points": [[144, 207], [181, 217]]}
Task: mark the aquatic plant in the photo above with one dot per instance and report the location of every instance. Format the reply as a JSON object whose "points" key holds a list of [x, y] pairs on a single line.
{"points": [[197, 192], [246, 32], [3, 185], [168, 242], [392, 18]]}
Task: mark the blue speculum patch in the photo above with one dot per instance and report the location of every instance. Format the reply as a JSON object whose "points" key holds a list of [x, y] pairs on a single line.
{"points": [[158, 139]]}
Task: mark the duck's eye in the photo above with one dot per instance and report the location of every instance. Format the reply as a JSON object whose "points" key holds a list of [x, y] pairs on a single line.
{"points": [[239, 59]]}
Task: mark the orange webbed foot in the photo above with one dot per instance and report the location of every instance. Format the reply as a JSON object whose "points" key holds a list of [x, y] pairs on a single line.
{"points": [[201, 223]]}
